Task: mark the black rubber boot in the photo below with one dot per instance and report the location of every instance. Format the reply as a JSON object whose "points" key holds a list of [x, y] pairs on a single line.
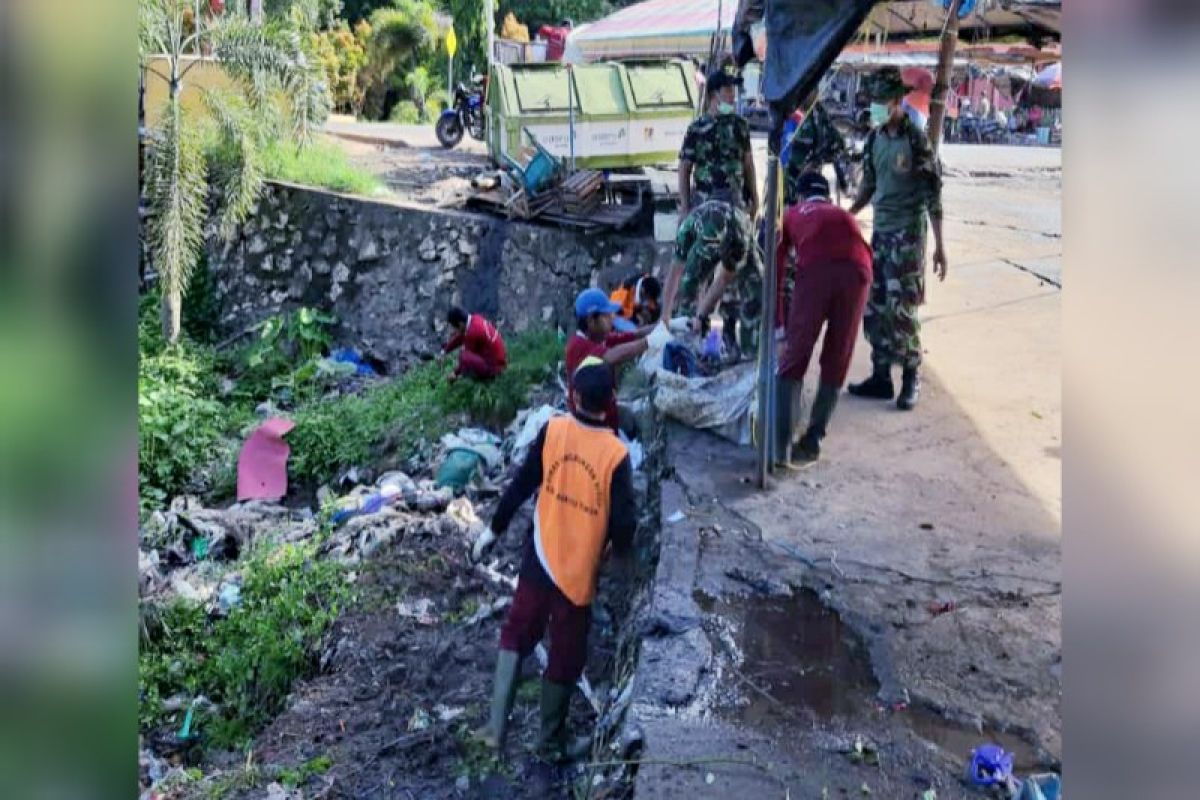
{"points": [[787, 419], [910, 389], [808, 449], [553, 742], [877, 387], [504, 692]]}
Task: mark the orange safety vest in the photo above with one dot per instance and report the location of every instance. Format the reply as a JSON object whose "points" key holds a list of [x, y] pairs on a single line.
{"points": [[571, 523], [625, 299]]}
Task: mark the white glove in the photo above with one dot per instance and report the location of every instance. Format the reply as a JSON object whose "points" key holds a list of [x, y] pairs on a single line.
{"points": [[482, 542], [681, 325], [659, 338]]}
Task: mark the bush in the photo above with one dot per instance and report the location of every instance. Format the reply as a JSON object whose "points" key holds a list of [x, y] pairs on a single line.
{"points": [[281, 362], [405, 113], [333, 435], [323, 164], [179, 425], [343, 53], [246, 662]]}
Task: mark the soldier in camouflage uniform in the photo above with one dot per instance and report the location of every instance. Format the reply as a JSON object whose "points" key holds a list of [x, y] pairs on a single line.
{"points": [[717, 233], [816, 143], [716, 153], [902, 179]]}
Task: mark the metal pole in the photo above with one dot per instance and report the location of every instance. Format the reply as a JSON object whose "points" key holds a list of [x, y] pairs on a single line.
{"points": [[490, 11], [450, 77], [766, 341], [571, 113]]}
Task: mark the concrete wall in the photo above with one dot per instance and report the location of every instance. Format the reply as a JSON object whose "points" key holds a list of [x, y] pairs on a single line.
{"points": [[389, 272]]}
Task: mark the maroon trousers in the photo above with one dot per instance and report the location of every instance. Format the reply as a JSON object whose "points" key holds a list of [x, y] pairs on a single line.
{"points": [[538, 603], [831, 294], [473, 365]]}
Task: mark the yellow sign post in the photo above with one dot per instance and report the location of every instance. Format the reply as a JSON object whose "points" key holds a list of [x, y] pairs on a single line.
{"points": [[451, 48]]}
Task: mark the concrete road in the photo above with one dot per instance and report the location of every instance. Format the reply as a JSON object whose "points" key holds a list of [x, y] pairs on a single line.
{"points": [[957, 502]]}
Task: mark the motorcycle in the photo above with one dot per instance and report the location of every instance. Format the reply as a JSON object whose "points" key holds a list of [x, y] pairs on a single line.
{"points": [[464, 114]]}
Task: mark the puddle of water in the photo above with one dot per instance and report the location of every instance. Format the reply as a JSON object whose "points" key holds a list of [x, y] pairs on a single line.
{"points": [[798, 651], [959, 740]]}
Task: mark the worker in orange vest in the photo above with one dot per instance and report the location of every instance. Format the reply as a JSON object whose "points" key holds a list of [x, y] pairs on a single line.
{"points": [[586, 501]]}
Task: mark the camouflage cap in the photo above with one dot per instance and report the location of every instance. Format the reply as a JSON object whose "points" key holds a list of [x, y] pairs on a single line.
{"points": [[888, 84], [721, 77]]}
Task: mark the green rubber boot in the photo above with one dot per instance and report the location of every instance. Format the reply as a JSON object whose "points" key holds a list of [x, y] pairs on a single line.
{"points": [[808, 449], [504, 692], [554, 744]]}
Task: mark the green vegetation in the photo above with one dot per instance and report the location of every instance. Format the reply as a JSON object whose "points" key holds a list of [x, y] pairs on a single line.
{"points": [[332, 435], [246, 662], [292, 778], [277, 92], [323, 163]]}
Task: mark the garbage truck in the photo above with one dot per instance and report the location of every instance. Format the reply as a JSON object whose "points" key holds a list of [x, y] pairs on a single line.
{"points": [[607, 115]]}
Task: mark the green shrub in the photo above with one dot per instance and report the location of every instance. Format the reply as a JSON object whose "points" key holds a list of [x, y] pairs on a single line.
{"points": [[333, 435], [282, 361], [246, 662], [179, 424], [323, 163], [405, 113]]}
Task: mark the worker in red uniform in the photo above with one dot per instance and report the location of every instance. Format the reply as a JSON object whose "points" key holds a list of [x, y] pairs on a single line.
{"points": [[586, 501], [832, 279], [595, 317], [483, 356]]}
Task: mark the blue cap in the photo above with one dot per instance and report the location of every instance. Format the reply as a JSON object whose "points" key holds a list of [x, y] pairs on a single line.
{"points": [[594, 301]]}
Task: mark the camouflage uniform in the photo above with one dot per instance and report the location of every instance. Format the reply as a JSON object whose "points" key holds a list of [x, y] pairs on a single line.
{"points": [[898, 287], [716, 145], [716, 233], [816, 143]]}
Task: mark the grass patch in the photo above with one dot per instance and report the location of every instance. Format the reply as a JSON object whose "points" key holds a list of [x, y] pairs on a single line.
{"points": [[246, 662], [323, 163], [333, 435]]}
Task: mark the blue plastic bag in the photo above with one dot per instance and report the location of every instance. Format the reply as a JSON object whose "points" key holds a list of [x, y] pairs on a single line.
{"points": [[963, 10]]}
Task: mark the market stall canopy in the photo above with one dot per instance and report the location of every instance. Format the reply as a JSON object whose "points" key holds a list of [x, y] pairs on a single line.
{"points": [[654, 28], [924, 18], [1050, 77]]}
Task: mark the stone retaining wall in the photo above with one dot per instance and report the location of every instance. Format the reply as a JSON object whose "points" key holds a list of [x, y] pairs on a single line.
{"points": [[389, 272]]}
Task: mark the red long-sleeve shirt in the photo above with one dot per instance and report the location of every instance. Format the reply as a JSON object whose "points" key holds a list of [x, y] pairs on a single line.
{"points": [[819, 232], [481, 338]]}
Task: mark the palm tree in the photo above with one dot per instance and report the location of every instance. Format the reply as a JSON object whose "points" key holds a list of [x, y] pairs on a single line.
{"points": [[276, 92], [398, 35]]}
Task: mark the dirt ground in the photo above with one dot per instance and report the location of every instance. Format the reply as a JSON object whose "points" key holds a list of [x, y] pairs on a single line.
{"points": [[929, 540], [866, 621]]}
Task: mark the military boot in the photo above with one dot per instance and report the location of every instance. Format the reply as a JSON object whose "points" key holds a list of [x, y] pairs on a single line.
{"points": [[808, 449], [504, 691], [554, 744], [877, 387], [910, 389]]}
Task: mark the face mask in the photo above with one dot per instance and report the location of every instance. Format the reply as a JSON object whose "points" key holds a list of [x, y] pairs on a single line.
{"points": [[725, 108], [880, 113]]}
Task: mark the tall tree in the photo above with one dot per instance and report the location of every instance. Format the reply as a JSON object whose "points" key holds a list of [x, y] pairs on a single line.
{"points": [[276, 92]]}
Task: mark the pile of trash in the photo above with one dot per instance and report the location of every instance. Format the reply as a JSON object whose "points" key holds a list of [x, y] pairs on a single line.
{"points": [[188, 551]]}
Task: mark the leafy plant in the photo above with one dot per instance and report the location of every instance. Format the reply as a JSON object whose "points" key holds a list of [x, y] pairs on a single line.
{"points": [[400, 36], [342, 53], [293, 778], [406, 112], [284, 355], [179, 424], [246, 662]]}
